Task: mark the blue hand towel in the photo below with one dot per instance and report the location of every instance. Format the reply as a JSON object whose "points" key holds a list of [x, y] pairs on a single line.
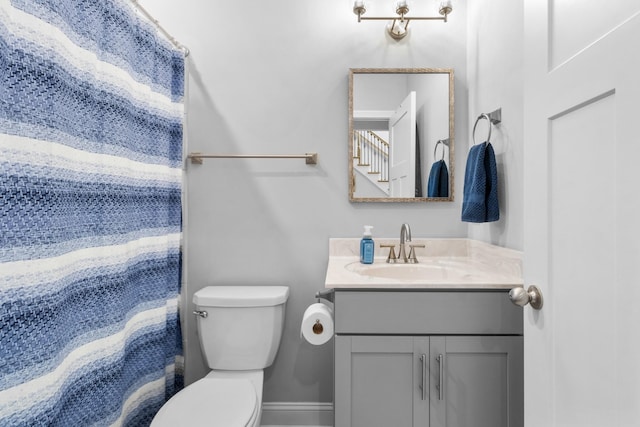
{"points": [[480, 198], [438, 185]]}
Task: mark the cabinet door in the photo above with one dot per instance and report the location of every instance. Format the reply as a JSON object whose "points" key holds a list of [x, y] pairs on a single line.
{"points": [[476, 381], [379, 379]]}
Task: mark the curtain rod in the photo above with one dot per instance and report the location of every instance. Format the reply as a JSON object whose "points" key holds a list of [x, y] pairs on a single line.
{"points": [[159, 27]]}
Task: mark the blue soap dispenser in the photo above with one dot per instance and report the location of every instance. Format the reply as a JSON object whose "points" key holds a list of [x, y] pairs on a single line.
{"points": [[366, 246]]}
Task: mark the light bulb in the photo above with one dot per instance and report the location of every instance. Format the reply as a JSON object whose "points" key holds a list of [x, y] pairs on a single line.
{"points": [[445, 7], [402, 7]]}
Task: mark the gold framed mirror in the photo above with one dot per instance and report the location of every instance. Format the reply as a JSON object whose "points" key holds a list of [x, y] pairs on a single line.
{"points": [[401, 135]]}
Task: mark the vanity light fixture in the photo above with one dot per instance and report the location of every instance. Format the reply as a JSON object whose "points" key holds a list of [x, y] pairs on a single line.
{"points": [[399, 26]]}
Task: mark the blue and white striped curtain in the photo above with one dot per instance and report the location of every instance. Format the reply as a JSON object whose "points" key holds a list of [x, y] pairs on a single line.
{"points": [[91, 112]]}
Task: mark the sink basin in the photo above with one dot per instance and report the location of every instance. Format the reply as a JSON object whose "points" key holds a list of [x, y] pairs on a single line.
{"points": [[408, 272]]}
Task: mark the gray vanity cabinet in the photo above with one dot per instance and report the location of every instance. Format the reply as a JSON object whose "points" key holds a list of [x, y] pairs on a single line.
{"points": [[482, 381], [378, 381], [427, 358]]}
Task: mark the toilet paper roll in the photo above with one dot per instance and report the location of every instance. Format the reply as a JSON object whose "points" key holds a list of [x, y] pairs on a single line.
{"points": [[317, 324]]}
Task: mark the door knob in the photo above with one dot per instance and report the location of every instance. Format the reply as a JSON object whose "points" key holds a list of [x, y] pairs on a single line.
{"points": [[532, 295]]}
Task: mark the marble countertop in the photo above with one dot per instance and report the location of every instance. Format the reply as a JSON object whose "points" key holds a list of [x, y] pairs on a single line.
{"points": [[443, 264]]}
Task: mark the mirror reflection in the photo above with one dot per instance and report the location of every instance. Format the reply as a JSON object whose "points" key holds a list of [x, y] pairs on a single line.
{"points": [[401, 134]]}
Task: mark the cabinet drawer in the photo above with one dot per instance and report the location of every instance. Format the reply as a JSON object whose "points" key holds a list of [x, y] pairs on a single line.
{"points": [[426, 312]]}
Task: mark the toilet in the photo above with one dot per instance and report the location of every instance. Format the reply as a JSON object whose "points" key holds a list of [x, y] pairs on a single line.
{"points": [[239, 329]]}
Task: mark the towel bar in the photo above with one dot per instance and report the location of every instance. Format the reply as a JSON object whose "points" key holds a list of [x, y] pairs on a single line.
{"points": [[196, 158]]}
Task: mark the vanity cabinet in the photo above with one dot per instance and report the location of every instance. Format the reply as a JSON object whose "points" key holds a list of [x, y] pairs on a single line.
{"points": [[427, 358]]}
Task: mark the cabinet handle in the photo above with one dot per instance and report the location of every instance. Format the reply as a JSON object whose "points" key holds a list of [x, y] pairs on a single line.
{"points": [[423, 359], [440, 385]]}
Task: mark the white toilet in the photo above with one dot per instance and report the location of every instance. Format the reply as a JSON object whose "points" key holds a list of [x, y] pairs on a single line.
{"points": [[239, 328]]}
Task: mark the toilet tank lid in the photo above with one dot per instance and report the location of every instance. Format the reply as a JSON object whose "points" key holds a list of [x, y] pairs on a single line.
{"points": [[241, 296]]}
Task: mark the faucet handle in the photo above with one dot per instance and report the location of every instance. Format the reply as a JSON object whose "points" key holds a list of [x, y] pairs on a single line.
{"points": [[391, 259], [412, 254]]}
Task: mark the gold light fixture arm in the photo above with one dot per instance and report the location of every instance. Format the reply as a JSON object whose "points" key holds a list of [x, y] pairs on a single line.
{"points": [[399, 31]]}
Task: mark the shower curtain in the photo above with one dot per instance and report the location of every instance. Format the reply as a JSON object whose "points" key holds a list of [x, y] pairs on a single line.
{"points": [[91, 113]]}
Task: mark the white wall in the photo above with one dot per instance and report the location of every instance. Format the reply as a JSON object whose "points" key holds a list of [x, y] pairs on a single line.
{"points": [[272, 77], [495, 80]]}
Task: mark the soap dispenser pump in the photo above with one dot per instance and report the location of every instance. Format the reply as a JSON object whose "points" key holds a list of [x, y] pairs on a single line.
{"points": [[366, 246]]}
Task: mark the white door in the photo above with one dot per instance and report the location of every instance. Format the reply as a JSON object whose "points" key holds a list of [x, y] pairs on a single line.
{"points": [[582, 212], [402, 149]]}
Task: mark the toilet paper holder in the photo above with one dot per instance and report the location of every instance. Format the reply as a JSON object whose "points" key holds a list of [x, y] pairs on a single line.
{"points": [[325, 294]]}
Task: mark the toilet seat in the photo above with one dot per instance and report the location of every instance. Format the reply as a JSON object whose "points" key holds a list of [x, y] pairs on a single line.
{"points": [[211, 402]]}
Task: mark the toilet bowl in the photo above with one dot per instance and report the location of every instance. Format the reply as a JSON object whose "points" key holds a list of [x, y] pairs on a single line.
{"points": [[239, 329], [214, 401]]}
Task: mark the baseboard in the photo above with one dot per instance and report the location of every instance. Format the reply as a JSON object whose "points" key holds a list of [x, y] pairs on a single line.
{"points": [[297, 413]]}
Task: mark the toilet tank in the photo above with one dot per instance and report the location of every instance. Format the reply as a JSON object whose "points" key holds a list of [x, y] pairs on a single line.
{"points": [[242, 327]]}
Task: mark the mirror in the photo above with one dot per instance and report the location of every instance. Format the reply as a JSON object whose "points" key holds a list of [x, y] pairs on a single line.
{"points": [[401, 136]]}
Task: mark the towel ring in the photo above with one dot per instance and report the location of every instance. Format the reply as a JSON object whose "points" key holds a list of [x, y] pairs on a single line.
{"points": [[435, 149], [482, 116]]}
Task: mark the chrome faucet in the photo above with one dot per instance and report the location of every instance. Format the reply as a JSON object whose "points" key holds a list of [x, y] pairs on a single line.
{"points": [[405, 236]]}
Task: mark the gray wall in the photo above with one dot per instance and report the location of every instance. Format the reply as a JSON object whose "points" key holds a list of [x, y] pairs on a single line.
{"points": [[272, 77], [433, 119]]}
